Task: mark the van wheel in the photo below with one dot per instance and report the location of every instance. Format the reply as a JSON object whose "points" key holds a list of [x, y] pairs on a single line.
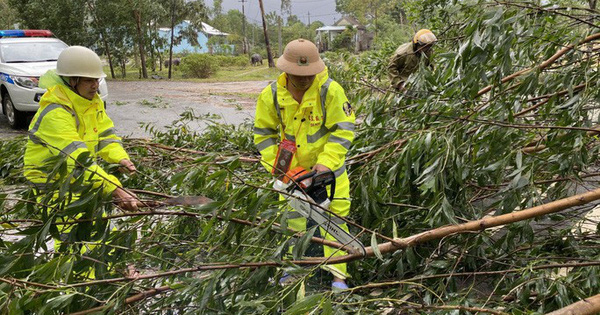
{"points": [[16, 118]]}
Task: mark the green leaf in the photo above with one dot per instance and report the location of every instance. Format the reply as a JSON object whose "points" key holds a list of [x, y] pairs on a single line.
{"points": [[375, 247], [57, 303], [304, 305], [303, 243]]}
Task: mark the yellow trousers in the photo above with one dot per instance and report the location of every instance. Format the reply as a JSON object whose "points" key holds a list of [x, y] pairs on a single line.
{"points": [[341, 207]]}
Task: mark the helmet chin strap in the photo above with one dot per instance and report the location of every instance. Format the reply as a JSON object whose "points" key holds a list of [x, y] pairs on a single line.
{"points": [[72, 87]]}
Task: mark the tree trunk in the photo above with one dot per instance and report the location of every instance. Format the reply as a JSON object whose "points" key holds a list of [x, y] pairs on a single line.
{"points": [[269, 54], [138, 24], [172, 37], [108, 55], [103, 37], [152, 57], [123, 68], [160, 60], [593, 4]]}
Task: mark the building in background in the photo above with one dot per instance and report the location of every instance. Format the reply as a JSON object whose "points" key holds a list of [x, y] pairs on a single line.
{"points": [[182, 42], [361, 39]]}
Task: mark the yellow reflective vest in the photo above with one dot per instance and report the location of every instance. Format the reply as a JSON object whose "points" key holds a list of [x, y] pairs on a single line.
{"points": [[322, 125], [69, 124]]}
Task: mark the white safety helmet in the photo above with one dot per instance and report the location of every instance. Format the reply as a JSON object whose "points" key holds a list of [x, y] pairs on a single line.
{"points": [[78, 61]]}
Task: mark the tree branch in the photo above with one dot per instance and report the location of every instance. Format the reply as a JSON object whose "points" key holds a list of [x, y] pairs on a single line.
{"points": [[541, 66], [588, 306]]}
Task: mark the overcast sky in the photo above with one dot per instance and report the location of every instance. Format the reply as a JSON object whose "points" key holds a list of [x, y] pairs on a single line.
{"points": [[321, 10]]}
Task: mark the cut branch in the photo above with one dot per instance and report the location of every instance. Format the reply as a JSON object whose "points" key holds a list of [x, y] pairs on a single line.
{"points": [[175, 149], [588, 306], [316, 240], [135, 298]]}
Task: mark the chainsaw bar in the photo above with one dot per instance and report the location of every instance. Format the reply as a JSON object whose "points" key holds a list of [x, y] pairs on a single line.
{"points": [[325, 221]]}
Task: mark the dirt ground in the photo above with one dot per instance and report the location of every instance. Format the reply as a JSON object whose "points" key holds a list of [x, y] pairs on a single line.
{"points": [[134, 103]]}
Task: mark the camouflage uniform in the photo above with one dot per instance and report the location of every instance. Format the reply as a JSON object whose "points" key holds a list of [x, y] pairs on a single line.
{"points": [[404, 62]]}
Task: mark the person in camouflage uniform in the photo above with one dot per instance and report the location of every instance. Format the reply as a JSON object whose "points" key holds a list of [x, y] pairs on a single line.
{"points": [[407, 56]]}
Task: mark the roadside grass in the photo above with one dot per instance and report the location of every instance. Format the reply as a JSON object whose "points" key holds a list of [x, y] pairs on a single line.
{"points": [[224, 74]]}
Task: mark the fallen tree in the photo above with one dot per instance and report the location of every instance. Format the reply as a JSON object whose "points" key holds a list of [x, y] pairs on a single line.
{"points": [[430, 175]]}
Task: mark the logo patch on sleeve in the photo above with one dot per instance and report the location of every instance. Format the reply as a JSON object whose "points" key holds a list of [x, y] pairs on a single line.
{"points": [[347, 108]]}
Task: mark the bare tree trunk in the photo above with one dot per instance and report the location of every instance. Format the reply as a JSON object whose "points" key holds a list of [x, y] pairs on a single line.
{"points": [[593, 4], [136, 60], [123, 68], [138, 24], [151, 48], [160, 59], [172, 37], [269, 54], [108, 55]]}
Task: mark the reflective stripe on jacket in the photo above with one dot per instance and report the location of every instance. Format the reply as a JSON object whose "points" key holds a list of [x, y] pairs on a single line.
{"points": [[322, 125], [69, 124]]}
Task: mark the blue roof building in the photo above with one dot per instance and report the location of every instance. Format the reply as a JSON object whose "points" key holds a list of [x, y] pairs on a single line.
{"points": [[184, 45]]}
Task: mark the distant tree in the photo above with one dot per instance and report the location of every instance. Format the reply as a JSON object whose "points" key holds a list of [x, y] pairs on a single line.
{"points": [[366, 11], [293, 19], [8, 15], [217, 8], [178, 11], [344, 40], [232, 23], [115, 29], [67, 19]]}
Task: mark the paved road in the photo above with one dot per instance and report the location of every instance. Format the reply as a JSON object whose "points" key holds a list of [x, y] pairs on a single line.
{"points": [[131, 103]]}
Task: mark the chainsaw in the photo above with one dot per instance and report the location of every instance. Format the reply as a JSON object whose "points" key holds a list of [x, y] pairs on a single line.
{"points": [[309, 198]]}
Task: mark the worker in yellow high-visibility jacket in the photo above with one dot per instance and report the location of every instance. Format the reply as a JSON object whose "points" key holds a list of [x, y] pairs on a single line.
{"points": [[71, 121], [307, 107]]}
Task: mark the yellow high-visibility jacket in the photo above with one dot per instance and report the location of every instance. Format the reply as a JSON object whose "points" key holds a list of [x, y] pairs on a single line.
{"points": [[322, 125], [69, 124]]}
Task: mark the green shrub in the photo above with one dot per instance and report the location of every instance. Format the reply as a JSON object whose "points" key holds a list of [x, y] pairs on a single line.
{"points": [[199, 65], [232, 61]]}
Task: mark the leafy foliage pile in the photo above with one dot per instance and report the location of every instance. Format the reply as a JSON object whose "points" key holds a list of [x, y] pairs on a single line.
{"points": [[443, 152]]}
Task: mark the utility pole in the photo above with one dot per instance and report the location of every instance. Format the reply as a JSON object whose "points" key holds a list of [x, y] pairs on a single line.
{"points": [[279, 35], [308, 18], [269, 54], [244, 28]]}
